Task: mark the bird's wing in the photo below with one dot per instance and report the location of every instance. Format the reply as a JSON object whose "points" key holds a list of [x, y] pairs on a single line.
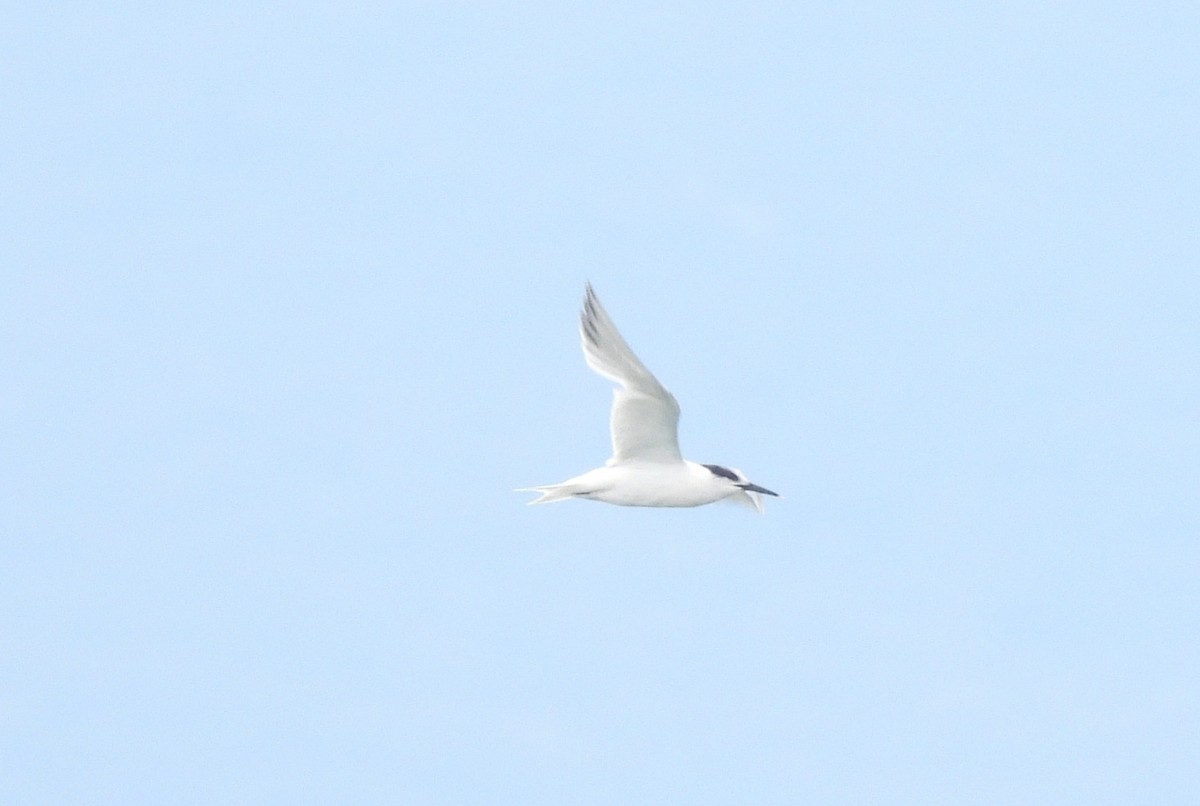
{"points": [[645, 416]]}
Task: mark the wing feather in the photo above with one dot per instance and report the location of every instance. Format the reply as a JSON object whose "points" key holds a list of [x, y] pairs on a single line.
{"points": [[645, 416]]}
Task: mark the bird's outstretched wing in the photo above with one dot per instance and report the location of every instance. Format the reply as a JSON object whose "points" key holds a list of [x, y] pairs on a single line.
{"points": [[645, 416]]}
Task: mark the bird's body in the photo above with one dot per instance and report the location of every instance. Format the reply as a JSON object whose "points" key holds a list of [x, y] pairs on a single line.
{"points": [[646, 468]]}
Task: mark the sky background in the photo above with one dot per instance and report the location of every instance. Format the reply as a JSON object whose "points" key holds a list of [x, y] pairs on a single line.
{"points": [[288, 300]]}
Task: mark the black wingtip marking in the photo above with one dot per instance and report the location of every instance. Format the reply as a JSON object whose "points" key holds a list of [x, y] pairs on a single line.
{"points": [[588, 319], [723, 472], [589, 328]]}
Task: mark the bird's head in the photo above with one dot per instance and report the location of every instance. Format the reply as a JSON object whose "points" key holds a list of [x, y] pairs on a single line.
{"points": [[741, 489]]}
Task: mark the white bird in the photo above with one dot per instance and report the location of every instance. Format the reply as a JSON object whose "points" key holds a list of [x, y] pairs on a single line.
{"points": [[646, 469]]}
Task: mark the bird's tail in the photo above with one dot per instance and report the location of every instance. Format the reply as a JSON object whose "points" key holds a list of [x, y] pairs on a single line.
{"points": [[549, 493]]}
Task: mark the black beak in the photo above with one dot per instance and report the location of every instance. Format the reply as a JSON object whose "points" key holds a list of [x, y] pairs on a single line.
{"points": [[754, 488]]}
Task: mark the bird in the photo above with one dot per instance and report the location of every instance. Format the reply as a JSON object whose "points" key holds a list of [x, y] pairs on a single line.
{"points": [[646, 468]]}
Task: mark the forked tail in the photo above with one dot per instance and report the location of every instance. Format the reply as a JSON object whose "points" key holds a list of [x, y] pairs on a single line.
{"points": [[549, 493]]}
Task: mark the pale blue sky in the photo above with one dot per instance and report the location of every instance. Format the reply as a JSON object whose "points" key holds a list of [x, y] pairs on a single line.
{"points": [[288, 308]]}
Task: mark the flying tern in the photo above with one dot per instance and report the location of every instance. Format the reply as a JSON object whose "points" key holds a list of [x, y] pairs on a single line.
{"points": [[646, 468]]}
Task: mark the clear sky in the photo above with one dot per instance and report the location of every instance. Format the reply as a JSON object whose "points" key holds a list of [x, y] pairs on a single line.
{"points": [[288, 300]]}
